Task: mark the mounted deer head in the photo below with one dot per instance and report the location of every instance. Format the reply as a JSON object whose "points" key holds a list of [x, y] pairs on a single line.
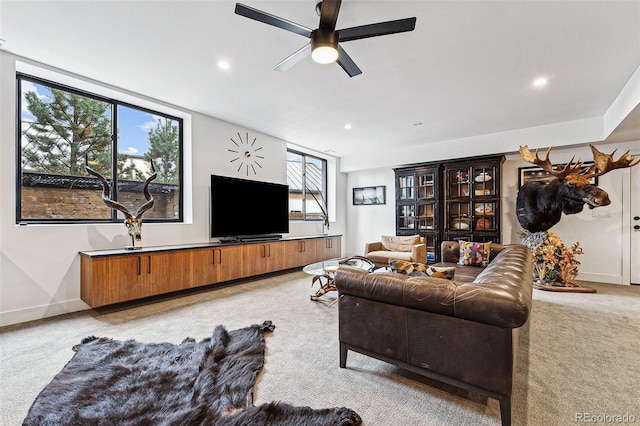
{"points": [[540, 205], [133, 222]]}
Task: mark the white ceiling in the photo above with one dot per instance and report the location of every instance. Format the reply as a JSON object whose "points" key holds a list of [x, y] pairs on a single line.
{"points": [[466, 70]]}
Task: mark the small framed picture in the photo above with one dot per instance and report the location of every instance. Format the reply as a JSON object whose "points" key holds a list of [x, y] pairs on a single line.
{"points": [[534, 173], [369, 195]]}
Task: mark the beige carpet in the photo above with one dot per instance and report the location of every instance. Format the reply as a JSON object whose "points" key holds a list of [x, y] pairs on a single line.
{"points": [[580, 355]]}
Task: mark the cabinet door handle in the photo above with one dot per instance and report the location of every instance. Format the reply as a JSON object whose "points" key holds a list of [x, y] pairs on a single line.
{"points": [[220, 256], [149, 267], [269, 252], [139, 265], [213, 256]]}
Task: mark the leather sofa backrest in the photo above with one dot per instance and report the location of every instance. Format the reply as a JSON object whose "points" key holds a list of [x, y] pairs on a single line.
{"points": [[500, 295]]}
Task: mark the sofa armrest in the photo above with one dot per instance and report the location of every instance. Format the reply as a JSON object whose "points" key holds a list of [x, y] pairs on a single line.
{"points": [[419, 253], [369, 247]]}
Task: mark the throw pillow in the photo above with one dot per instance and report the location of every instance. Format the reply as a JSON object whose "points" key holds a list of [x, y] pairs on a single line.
{"points": [[441, 272], [399, 243], [401, 266], [421, 270], [472, 253]]}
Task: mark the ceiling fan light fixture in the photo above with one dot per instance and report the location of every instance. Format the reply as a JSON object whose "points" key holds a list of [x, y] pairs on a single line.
{"points": [[324, 54], [324, 46]]}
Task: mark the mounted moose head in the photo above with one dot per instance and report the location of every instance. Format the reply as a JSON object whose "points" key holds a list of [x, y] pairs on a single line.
{"points": [[540, 205], [133, 222]]}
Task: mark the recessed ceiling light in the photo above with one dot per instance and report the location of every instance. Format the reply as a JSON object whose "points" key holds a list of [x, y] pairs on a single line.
{"points": [[539, 82], [417, 124], [222, 64], [347, 126]]}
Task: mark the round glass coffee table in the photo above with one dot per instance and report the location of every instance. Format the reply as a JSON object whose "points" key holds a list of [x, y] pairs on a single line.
{"points": [[324, 273]]}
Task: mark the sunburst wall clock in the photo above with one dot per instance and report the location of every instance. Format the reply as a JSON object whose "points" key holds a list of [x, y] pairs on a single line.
{"points": [[246, 154]]}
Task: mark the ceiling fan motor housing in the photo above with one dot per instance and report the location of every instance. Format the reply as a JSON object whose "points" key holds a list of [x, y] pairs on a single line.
{"points": [[327, 41]]}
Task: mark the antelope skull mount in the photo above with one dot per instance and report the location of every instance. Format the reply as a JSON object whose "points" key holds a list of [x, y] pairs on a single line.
{"points": [[133, 222], [540, 205]]}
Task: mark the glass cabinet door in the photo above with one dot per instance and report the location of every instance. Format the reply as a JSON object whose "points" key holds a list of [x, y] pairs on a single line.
{"points": [[459, 216], [406, 187], [426, 217], [484, 182], [458, 183], [407, 217], [484, 216], [432, 245], [426, 188]]}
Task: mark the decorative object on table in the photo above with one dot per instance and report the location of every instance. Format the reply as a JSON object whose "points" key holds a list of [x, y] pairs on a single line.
{"points": [[555, 266], [246, 154], [461, 177], [325, 46], [369, 195], [208, 382], [539, 205], [328, 275], [133, 222]]}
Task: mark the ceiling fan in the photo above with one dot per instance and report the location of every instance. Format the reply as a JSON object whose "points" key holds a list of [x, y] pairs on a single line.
{"points": [[324, 46]]}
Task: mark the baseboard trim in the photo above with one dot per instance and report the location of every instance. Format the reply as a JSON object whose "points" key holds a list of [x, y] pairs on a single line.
{"points": [[602, 278], [42, 312]]}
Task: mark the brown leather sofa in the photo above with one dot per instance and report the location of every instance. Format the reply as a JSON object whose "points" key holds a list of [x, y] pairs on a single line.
{"points": [[461, 332]]}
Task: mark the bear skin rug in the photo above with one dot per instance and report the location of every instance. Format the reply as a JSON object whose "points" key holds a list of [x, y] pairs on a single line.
{"points": [[110, 382]]}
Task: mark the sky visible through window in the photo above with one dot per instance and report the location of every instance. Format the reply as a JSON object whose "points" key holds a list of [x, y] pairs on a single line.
{"points": [[133, 124]]}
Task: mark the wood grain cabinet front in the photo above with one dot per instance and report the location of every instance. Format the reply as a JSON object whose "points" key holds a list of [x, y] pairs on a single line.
{"points": [[113, 279], [263, 258], [215, 264], [114, 276]]}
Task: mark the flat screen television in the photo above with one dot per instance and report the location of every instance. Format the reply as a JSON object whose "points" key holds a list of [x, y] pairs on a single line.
{"points": [[247, 208]]}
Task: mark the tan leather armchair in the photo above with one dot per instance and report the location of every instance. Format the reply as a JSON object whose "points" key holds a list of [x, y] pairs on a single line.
{"points": [[411, 248]]}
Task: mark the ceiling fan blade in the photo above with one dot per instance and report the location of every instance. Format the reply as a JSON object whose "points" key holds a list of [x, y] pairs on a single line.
{"points": [[347, 64], [267, 18], [329, 14], [379, 29], [294, 58]]}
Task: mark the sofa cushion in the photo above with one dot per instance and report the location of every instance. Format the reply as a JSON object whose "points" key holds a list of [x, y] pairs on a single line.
{"points": [[399, 243], [472, 253]]}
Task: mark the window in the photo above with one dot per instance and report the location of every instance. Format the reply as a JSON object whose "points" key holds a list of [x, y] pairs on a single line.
{"points": [[307, 180], [62, 128]]}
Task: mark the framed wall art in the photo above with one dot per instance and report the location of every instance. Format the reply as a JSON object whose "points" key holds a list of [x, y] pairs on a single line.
{"points": [[369, 195], [535, 173]]}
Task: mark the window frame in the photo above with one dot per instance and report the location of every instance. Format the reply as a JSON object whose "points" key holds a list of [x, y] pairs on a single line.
{"points": [[324, 190], [115, 216]]}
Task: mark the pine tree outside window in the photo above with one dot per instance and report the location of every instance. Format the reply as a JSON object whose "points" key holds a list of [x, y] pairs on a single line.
{"points": [[62, 128]]}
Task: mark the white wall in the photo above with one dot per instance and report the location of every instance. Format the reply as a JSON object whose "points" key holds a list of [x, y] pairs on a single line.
{"points": [[40, 265], [605, 240]]}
